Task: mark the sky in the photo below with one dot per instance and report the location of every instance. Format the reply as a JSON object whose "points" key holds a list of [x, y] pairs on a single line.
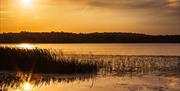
{"points": [[85, 16]]}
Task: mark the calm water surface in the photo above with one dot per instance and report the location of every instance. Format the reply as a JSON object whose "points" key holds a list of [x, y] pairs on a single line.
{"points": [[111, 49], [164, 57]]}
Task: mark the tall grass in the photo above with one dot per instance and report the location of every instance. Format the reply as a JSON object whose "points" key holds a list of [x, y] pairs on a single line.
{"points": [[122, 65], [132, 65], [41, 61], [47, 61]]}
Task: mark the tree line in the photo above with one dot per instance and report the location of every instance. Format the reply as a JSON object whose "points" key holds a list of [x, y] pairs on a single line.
{"points": [[67, 37]]}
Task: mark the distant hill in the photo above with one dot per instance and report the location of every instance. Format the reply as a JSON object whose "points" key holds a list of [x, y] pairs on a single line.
{"points": [[65, 37]]}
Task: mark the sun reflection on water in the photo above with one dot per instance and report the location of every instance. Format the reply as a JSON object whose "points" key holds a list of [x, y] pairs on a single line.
{"points": [[27, 86], [26, 46]]}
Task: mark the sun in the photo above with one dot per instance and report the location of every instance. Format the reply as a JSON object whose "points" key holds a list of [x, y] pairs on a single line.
{"points": [[26, 3]]}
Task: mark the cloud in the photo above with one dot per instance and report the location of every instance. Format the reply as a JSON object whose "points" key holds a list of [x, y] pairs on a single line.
{"points": [[162, 14], [168, 7]]}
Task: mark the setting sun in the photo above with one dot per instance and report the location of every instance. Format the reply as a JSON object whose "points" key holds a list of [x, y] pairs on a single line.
{"points": [[26, 3], [89, 45]]}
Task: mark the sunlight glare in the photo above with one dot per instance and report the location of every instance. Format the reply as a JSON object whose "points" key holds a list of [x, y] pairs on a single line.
{"points": [[27, 86], [27, 46], [26, 3]]}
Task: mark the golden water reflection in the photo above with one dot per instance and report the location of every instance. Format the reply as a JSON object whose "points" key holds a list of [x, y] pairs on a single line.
{"points": [[27, 86], [26, 46], [118, 73], [107, 49], [13, 82], [110, 83]]}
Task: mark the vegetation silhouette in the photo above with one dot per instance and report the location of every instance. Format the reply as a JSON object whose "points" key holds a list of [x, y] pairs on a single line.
{"points": [[66, 37], [46, 61], [41, 61], [13, 80], [16, 63]]}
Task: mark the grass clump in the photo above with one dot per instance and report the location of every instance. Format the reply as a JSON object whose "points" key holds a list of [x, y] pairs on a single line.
{"points": [[41, 61]]}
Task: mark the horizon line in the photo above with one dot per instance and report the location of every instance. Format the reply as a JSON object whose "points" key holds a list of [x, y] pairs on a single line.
{"points": [[90, 33]]}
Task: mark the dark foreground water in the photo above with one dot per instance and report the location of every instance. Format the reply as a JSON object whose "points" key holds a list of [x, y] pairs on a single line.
{"points": [[122, 67]]}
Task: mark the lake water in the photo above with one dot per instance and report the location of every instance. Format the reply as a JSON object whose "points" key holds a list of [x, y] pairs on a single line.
{"points": [[110, 49], [158, 69]]}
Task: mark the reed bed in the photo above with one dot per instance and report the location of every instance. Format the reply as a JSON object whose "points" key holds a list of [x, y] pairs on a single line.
{"points": [[123, 65], [127, 65], [41, 61], [47, 61]]}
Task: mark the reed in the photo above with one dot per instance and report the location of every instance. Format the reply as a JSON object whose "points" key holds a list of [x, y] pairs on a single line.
{"points": [[41, 61], [46, 61], [122, 65]]}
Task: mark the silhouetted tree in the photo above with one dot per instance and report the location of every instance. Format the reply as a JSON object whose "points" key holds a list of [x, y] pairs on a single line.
{"points": [[106, 37]]}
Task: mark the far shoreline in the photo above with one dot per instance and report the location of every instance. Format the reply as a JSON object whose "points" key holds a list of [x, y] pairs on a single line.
{"points": [[79, 38]]}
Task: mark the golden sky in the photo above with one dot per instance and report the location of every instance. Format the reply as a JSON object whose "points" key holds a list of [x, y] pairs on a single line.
{"points": [[140, 16]]}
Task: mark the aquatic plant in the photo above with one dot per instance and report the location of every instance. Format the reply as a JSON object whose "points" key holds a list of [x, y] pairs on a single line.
{"points": [[133, 65], [122, 65], [41, 61], [47, 61]]}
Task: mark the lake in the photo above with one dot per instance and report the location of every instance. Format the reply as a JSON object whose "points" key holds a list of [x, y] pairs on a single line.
{"points": [[124, 67], [110, 49]]}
